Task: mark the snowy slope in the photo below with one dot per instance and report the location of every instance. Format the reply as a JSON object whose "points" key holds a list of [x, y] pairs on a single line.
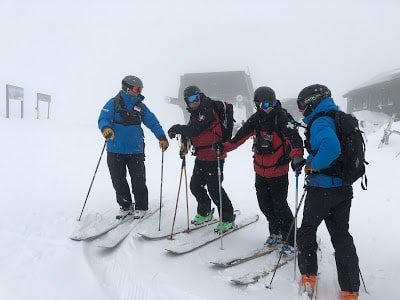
{"points": [[45, 174]]}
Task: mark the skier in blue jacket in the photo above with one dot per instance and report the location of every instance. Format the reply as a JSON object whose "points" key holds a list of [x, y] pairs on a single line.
{"points": [[120, 123], [328, 197]]}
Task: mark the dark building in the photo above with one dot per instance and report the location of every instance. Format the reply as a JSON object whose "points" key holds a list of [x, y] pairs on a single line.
{"points": [[234, 87], [381, 94]]}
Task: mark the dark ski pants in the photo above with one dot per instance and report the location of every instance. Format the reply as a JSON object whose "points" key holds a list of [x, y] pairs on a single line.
{"points": [[117, 165], [272, 200], [205, 173], [331, 205]]}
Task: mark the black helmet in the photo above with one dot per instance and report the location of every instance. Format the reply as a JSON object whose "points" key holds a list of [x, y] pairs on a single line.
{"points": [[191, 90], [130, 81], [312, 95], [264, 94]]}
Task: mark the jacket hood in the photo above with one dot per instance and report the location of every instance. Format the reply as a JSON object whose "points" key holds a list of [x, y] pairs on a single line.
{"points": [[326, 105]]}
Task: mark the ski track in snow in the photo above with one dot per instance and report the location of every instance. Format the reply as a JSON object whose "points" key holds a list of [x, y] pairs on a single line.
{"points": [[111, 267]]}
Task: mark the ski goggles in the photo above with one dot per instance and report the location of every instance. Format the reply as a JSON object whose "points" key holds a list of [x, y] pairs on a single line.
{"points": [[193, 98], [300, 104], [137, 89], [266, 105]]}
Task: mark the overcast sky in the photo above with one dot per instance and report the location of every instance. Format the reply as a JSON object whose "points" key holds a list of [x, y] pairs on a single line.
{"points": [[79, 53]]}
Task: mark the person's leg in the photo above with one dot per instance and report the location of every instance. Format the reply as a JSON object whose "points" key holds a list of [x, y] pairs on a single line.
{"points": [[137, 171], [315, 210], [278, 187], [212, 182], [117, 167], [197, 187], [264, 198], [346, 257]]}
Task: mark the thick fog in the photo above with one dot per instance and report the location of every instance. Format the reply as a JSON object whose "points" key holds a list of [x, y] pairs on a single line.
{"points": [[78, 53]]}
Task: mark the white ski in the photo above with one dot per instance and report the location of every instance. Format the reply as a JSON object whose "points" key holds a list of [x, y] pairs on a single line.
{"points": [[253, 277], [234, 261], [116, 236], [211, 236]]}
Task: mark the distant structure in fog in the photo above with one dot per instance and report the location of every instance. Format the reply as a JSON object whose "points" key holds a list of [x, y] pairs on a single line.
{"points": [[14, 93], [17, 93], [233, 86], [290, 104], [380, 94]]}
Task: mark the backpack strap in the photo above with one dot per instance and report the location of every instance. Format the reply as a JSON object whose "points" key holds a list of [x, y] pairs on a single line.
{"points": [[129, 117]]}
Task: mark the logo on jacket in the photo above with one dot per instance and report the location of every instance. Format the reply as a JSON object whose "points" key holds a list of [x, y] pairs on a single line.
{"points": [[290, 125]]}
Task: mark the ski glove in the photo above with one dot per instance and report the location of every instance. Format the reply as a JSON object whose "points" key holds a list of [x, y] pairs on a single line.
{"points": [[174, 130], [218, 146], [108, 133], [297, 163], [183, 150], [163, 143], [308, 169]]}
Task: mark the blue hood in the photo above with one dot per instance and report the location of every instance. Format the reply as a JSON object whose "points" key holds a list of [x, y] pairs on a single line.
{"points": [[326, 104]]}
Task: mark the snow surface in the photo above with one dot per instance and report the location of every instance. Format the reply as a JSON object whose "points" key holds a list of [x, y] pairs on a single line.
{"points": [[46, 170]]}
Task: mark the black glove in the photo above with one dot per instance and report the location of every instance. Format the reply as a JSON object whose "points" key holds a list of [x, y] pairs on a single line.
{"points": [[297, 163], [174, 130], [218, 146]]}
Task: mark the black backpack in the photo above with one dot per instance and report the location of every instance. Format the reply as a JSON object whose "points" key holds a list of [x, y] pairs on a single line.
{"points": [[350, 165], [224, 111]]}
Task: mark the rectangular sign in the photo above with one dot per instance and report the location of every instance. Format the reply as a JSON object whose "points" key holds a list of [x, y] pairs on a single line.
{"points": [[43, 97], [15, 92]]}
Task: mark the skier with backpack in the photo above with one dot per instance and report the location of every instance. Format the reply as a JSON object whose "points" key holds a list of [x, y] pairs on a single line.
{"points": [[205, 128], [276, 144], [329, 190], [120, 123]]}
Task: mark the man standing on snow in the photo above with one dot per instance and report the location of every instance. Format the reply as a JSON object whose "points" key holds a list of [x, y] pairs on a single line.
{"points": [[204, 129], [276, 143], [120, 123], [328, 197]]}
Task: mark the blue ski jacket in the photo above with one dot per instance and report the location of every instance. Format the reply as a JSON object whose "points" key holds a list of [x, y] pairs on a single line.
{"points": [[323, 139], [128, 139]]}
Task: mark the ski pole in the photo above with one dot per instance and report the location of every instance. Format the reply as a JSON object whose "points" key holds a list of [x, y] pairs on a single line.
{"points": [[94, 175], [177, 197], [287, 238], [362, 279], [220, 192], [162, 172], [187, 197], [295, 224]]}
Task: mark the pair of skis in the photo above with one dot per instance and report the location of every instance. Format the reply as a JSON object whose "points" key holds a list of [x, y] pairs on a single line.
{"points": [[111, 233]]}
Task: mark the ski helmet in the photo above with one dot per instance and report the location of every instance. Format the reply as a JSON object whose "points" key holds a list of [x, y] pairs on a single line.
{"points": [[312, 95], [264, 93], [130, 81], [191, 90]]}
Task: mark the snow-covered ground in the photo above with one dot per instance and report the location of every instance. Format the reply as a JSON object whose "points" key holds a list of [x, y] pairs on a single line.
{"points": [[45, 173]]}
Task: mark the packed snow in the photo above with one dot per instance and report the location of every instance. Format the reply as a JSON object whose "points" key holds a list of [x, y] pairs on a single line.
{"points": [[46, 171]]}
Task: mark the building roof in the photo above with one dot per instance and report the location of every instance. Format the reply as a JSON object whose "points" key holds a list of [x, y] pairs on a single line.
{"points": [[386, 77]]}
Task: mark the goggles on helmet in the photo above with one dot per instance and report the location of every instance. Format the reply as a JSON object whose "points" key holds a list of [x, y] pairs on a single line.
{"points": [[300, 104], [137, 89], [311, 100], [266, 105], [193, 98]]}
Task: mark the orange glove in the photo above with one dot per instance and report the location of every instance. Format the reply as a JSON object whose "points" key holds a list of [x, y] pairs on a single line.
{"points": [[108, 133], [163, 143], [308, 169]]}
